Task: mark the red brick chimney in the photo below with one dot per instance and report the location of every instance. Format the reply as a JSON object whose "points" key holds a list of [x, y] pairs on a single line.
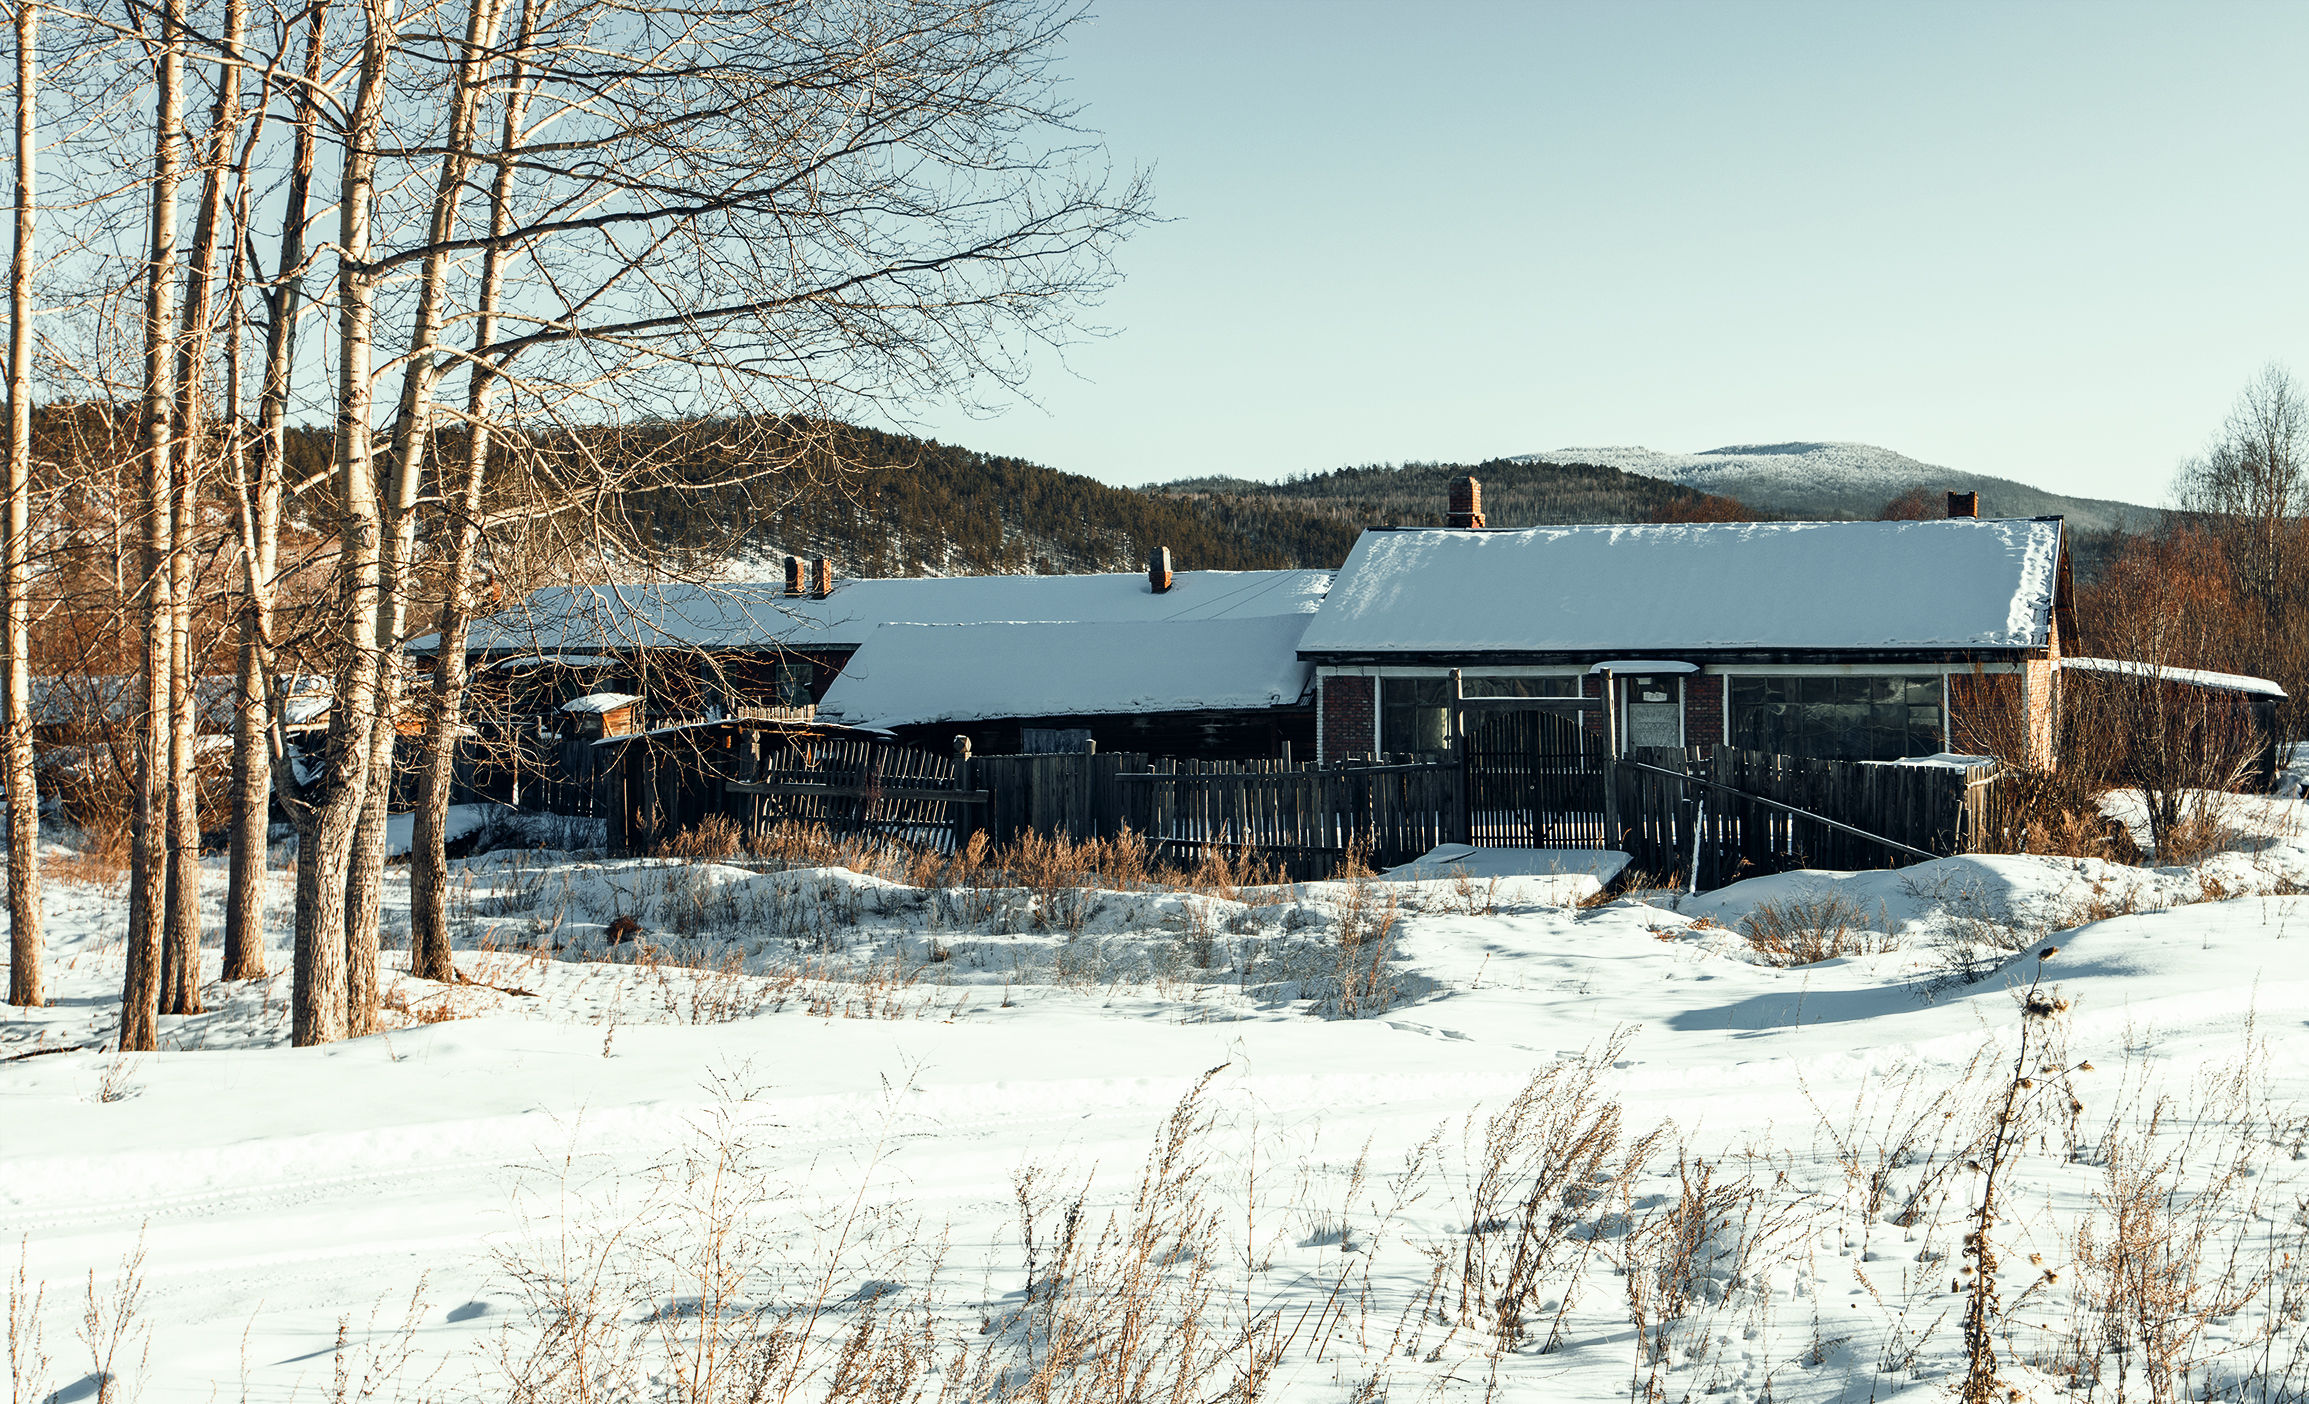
{"points": [[1158, 569], [793, 577], [821, 578], [1964, 504], [1466, 504]]}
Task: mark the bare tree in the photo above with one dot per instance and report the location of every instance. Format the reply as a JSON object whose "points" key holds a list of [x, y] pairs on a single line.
{"points": [[325, 840], [255, 733], [24, 909], [140, 998], [2183, 747], [2250, 489], [429, 956], [180, 978], [825, 211]]}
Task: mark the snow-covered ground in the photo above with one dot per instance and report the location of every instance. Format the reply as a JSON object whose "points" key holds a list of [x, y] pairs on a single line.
{"points": [[839, 1104]]}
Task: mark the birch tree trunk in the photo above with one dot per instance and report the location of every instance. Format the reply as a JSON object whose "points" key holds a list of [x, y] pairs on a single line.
{"points": [[148, 851], [253, 733], [180, 981], [24, 911], [429, 956], [325, 849], [412, 434]]}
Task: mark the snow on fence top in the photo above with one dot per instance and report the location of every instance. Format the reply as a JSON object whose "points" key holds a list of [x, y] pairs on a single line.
{"points": [[1958, 583], [2194, 677], [593, 617], [912, 673]]}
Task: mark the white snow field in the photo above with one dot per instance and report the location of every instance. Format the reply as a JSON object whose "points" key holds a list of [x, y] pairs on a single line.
{"points": [[1463, 1131]]}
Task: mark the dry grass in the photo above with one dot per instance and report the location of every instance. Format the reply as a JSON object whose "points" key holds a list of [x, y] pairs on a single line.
{"points": [[1812, 927], [678, 1298], [1537, 1181], [440, 1007], [1365, 913], [1554, 1228]]}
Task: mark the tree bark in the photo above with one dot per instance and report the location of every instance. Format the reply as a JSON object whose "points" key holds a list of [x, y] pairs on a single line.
{"points": [[325, 845], [180, 983], [253, 733], [429, 955], [412, 434], [148, 852], [25, 985]]}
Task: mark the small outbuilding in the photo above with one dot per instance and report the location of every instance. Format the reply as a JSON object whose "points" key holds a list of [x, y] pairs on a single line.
{"points": [[602, 714]]}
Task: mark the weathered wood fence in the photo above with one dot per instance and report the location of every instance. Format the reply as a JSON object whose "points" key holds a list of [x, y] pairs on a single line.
{"points": [[760, 775], [1715, 816], [1721, 816], [1074, 793], [1304, 818]]}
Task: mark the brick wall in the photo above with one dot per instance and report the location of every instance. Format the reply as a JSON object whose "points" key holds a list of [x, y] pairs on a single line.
{"points": [[1591, 720], [1703, 710], [2038, 681], [1348, 716]]}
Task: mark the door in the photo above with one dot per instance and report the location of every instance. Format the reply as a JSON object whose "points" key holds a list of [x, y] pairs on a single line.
{"points": [[1652, 712]]}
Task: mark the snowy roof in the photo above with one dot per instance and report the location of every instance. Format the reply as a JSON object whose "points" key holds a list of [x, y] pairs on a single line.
{"points": [[557, 660], [910, 673], [586, 617], [1955, 583], [597, 702], [2195, 677], [89, 699]]}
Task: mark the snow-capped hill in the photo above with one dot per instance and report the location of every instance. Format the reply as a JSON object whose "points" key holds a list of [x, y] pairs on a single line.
{"points": [[1839, 479]]}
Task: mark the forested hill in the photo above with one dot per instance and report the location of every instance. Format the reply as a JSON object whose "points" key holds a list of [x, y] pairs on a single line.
{"points": [[1514, 494], [903, 506], [910, 507]]}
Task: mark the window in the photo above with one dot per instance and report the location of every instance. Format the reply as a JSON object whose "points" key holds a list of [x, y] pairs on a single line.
{"points": [[1414, 716], [1838, 718], [1501, 685], [792, 688]]}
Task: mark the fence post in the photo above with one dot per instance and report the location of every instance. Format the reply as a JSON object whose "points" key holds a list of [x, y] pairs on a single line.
{"points": [[963, 816], [1466, 833], [1611, 765]]}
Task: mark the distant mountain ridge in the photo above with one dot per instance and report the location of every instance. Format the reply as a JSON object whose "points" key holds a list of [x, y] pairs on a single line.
{"points": [[1825, 478], [1514, 494]]}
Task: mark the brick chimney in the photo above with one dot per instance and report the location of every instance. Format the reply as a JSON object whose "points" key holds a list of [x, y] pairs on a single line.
{"points": [[1158, 569], [1964, 504], [821, 577], [1466, 504], [793, 577]]}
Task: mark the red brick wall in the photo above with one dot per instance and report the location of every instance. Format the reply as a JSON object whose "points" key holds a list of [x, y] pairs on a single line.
{"points": [[1591, 721], [1348, 716], [1703, 710]]}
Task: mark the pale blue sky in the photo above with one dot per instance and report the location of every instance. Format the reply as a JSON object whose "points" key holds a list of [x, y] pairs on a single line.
{"points": [[2048, 242]]}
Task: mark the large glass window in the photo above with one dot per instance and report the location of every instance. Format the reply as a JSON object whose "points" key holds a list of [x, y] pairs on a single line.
{"points": [[1414, 716], [1838, 718]]}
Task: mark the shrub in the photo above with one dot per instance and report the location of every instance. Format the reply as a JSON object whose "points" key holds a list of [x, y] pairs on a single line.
{"points": [[1810, 928]]}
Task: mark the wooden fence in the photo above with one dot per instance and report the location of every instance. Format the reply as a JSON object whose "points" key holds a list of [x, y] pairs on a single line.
{"points": [[849, 785], [761, 774], [1073, 793], [1303, 818], [1731, 813], [1716, 818]]}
